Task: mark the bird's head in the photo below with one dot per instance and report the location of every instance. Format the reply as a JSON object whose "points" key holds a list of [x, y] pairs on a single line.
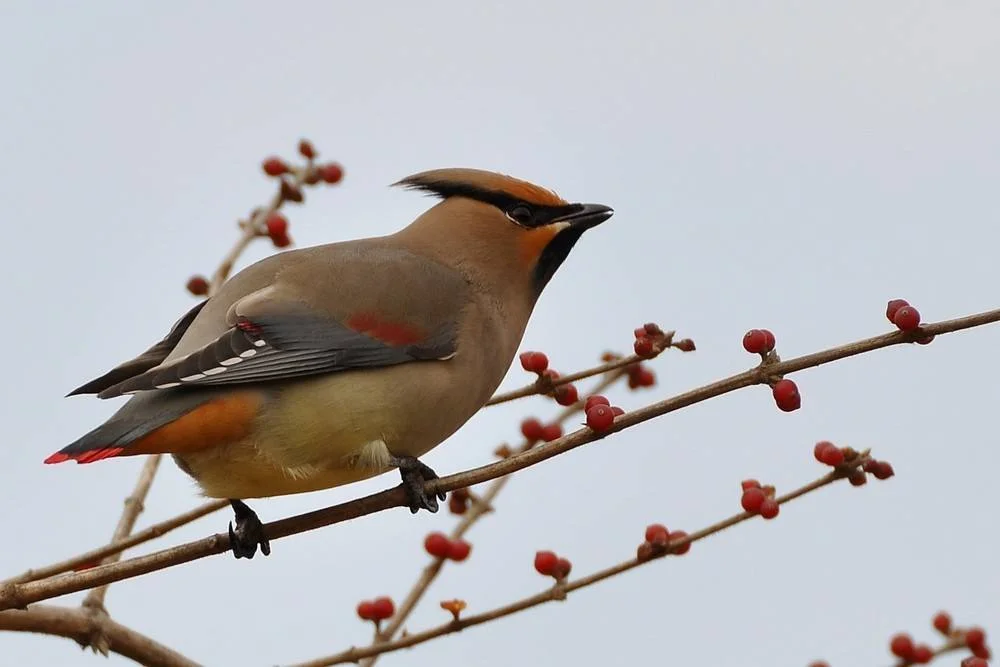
{"points": [[513, 226]]}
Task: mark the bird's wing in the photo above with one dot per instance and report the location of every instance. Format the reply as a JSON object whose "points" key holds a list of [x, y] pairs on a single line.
{"points": [[152, 357], [324, 313]]}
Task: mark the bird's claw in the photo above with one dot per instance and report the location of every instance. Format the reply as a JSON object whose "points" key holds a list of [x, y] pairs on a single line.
{"points": [[249, 532], [415, 476]]}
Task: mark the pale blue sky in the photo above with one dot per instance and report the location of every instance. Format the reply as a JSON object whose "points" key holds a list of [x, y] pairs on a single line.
{"points": [[781, 164]]}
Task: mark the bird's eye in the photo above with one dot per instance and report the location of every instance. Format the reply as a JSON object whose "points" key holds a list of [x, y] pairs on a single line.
{"points": [[520, 214]]}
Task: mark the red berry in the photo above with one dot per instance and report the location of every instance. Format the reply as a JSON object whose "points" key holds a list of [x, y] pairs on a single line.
{"points": [[786, 395], [901, 646], [893, 306], [753, 498], [331, 173], [197, 285], [907, 318], [643, 347], [922, 654], [644, 552], [639, 332], [657, 533], [981, 651], [882, 470], [566, 394], [769, 508], [641, 377], [819, 663], [828, 453], [281, 240], [366, 610], [600, 417], [758, 341], [749, 484], [458, 550], [976, 661], [437, 545], [562, 569], [306, 149], [652, 328], [274, 166], [545, 562], [596, 399], [277, 225], [925, 340], [617, 411], [532, 429], [682, 549], [975, 637], [383, 608], [942, 622], [857, 478], [534, 362], [551, 432], [458, 504], [685, 345]]}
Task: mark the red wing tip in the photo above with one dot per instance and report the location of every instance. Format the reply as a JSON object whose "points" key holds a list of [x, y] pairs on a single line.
{"points": [[86, 457]]}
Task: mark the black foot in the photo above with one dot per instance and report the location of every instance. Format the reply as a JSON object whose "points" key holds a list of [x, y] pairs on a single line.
{"points": [[415, 474], [248, 534]]}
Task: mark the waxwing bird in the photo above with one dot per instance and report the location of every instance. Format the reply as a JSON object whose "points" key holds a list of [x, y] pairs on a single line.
{"points": [[327, 365]]}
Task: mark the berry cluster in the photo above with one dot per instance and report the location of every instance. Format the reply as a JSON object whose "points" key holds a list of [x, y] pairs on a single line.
{"points": [[440, 545], [906, 318], [533, 431], [903, 647], [658, 543], [538, 363], [269, 222], [379, 609], [600, 413], [651, 340], [548, 564], [784, 391], [757, 499]]}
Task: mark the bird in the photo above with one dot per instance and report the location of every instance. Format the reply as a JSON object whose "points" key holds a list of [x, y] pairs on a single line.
{"points": [[326, 365]]}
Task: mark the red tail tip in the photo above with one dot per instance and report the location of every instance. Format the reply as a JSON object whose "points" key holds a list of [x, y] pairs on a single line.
{"points": [[86, 457], [58, 457]]}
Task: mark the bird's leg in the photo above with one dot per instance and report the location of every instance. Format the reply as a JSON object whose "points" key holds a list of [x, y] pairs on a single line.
{"points": [[415, 475], [249, 532]]}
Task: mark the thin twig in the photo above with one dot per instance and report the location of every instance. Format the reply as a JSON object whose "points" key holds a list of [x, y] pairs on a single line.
{"points": [[77, 624], [134, 504], [537, 388], [91, 558], [559, 590], [478, 509], [14, 595]]}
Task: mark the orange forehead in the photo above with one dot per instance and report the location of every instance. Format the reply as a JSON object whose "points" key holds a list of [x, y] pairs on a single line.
{"points": [[529, 192]]}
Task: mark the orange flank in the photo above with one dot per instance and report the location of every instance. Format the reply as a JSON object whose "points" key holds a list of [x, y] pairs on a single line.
{"points": [[393, 333], [533, 242], [217, 422]]}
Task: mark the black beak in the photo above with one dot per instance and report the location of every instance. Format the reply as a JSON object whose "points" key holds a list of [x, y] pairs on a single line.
{"points": [[585, 216]]}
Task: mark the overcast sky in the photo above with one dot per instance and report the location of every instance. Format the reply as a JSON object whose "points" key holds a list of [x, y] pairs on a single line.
{"points": [[781, 164]]}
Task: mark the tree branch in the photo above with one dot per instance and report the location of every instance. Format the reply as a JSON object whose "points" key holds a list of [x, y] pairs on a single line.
{"points": [[15, 595], [560, 589], [78, 625]]}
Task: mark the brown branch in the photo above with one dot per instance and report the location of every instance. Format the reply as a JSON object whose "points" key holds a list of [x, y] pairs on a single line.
{"points": [[560, 589], [88, 559], [13, 595], [479, 508], [133, 508], [79, 625]]}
